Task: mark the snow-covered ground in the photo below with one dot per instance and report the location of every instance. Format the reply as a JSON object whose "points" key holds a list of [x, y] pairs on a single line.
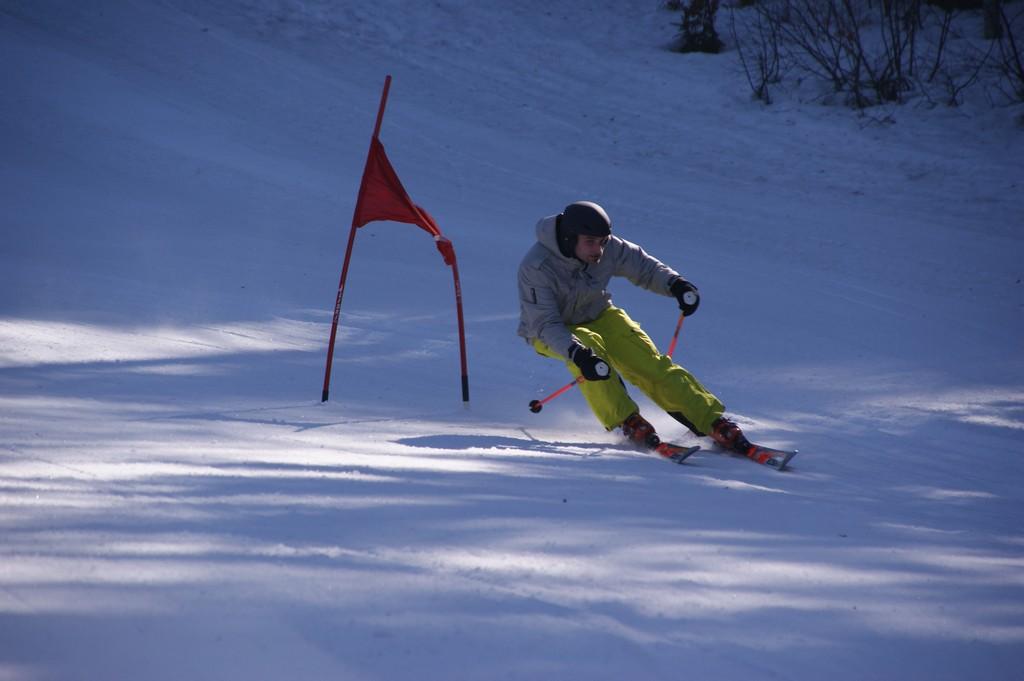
{"points": [[175, 502]]}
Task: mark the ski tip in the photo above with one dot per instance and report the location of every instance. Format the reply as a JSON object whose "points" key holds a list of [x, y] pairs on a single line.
{"points": [[771, 457], [676, 453], [787, 458]]}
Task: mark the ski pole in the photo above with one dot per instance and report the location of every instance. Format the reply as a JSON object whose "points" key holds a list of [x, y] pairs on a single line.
{"points": [[537, 405], [689, 298], [675, 336]]}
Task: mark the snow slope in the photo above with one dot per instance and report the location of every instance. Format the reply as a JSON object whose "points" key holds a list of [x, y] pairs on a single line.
{"points": [[175, 502]]}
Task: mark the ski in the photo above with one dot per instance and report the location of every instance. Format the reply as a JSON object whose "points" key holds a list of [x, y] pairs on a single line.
{"points": [[675, 453], [769, 456]]}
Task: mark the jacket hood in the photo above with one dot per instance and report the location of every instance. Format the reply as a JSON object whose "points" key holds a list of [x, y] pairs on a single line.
{"points": [[547, 236]]}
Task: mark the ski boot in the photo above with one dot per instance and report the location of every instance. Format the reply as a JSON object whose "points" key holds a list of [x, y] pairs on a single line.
{"points": [[640, 432], [729, 436]]}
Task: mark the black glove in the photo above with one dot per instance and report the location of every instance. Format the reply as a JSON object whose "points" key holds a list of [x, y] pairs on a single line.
{"points": [[687, 295], [591, 366]]}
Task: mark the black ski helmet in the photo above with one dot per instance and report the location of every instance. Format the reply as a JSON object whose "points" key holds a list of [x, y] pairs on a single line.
{"points": [[581, 217]]}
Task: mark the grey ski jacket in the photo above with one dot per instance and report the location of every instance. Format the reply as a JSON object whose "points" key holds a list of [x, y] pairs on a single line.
{"points": [[556, 292]]}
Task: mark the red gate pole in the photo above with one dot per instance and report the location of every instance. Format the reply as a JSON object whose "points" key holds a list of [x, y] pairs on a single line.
{"points": [[337, 314], [444, 245], [462, 330], [351, 243]]}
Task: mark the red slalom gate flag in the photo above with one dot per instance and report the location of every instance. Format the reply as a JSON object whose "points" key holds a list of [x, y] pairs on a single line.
{"points": [[382, 197]]}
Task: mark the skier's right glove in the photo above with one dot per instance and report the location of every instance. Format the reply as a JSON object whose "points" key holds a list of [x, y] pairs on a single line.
{"points": [[591, 366], [687, 295]]}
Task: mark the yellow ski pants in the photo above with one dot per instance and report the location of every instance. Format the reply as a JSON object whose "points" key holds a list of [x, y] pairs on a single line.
{"points": [[621, 342]]}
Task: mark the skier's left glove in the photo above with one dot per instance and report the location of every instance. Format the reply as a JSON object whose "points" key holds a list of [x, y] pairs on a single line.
{"points": [[687, 295]]}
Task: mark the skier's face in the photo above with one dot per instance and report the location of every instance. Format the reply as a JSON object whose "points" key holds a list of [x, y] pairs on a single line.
{"points": [[589, 249]]}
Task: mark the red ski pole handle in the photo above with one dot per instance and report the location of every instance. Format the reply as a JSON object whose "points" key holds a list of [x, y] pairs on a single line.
{"points": [[537, 405]]}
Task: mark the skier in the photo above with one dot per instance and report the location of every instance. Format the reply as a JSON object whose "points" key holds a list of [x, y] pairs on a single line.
{"points": [[566, 313]]}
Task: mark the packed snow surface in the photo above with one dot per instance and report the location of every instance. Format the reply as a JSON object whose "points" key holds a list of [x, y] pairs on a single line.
{"points": [[176, 502]]}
